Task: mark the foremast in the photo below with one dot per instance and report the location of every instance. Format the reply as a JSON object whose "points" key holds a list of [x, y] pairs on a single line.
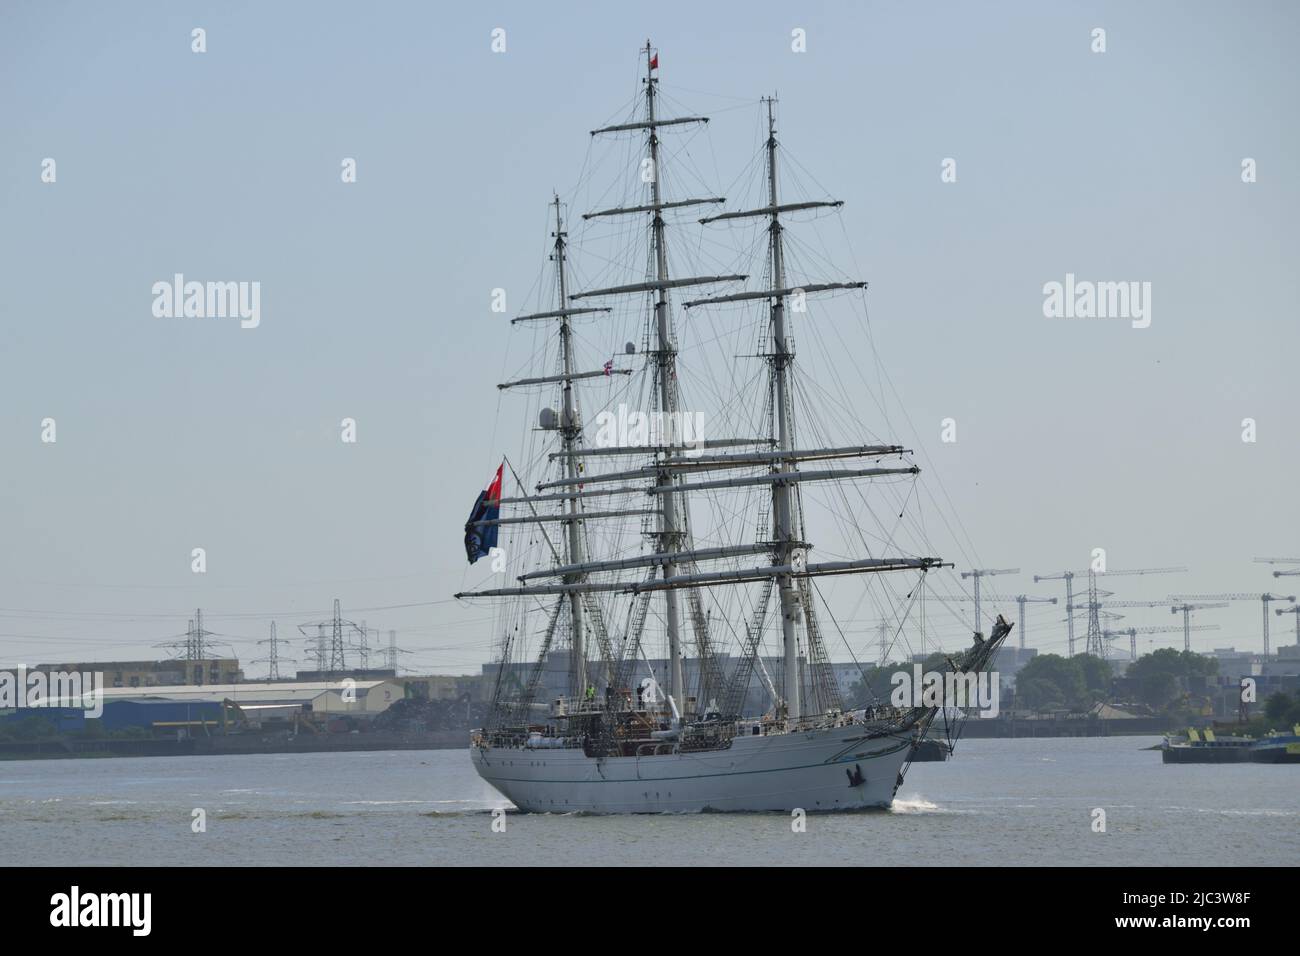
{"points": [[570, 438]]}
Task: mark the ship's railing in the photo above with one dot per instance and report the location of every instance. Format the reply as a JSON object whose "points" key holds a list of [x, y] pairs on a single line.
{"points": [[531, 740], [569, 707], [880, 713], [696, 736]]}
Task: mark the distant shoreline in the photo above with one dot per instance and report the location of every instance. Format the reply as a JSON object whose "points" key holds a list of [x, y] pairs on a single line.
{"points": [[66, 748], [220, 745]]}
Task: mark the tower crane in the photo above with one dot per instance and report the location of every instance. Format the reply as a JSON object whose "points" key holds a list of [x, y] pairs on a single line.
{"points": [[1103, 608], [1293, 609], [1095, 644], [1094, 618], [978, 573], [1285, 572], [1068, 578], [1090, 605], [1265, 599], [1023, 599], [1097, 610], [1133, 632], [1187, 610]]}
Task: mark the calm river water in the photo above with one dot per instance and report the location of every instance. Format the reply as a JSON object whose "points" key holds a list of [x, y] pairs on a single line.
{"points": [[996, 802]]}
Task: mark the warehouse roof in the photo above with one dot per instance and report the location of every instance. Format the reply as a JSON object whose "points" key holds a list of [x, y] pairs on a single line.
{"points": [[250, 692]]}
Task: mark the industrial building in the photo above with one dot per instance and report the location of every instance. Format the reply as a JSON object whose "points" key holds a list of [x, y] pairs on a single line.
{"points": [[347, 696], [220, 708], [216, 670]]}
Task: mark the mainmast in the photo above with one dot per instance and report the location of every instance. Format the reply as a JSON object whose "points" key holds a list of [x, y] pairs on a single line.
{"points": [[665, 357], [570, 433], [782, 498]]}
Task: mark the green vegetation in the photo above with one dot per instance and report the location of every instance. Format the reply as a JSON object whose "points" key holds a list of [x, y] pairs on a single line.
{"points": [[1051, 683], [29, 728], [1281, 712], [1157, 681], [875, 687], [1160, 677]]}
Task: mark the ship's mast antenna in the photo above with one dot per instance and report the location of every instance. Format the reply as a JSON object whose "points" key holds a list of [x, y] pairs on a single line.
{"points": [[781, 497], [666, 360], [570, 430]]}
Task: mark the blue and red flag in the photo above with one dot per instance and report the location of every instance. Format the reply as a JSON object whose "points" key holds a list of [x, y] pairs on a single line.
{"points": [[480, 539]]}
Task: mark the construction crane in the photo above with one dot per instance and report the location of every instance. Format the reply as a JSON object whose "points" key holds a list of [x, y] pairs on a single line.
{"points": [[1265, 599], [1096, 645], [978, 573], [1187, 610], [1094, 618], [1286, 572], [1097, 610], [1022, 600], [1068, 578], [1293, 609], [1090, 605], [1133, 632]]}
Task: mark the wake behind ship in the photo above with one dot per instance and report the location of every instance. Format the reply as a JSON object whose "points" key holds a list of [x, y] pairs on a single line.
{"points": [[650, 528]]}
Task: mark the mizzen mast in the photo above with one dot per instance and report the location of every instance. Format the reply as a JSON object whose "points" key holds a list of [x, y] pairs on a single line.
{"points": [[781, 496], [789, 553]]}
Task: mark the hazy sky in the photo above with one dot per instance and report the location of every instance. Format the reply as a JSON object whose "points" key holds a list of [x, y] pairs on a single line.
{"points": [[174, 434]]}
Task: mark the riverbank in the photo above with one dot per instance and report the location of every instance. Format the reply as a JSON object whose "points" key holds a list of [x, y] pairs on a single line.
{"points": [[1015, 727], [68, 747], [71, 747]]}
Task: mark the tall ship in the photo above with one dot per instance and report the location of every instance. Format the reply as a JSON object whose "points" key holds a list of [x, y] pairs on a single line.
{"points": [[653, 533]]}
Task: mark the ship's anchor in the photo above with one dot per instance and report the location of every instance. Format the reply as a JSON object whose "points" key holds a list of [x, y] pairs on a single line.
{"points": [[856, 779]]}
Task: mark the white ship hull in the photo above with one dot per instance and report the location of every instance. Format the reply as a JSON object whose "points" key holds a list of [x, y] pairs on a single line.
{"points": [[808, 770]]}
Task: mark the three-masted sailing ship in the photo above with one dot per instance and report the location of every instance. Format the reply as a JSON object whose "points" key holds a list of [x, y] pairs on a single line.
{"points": [[606, 553]]}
